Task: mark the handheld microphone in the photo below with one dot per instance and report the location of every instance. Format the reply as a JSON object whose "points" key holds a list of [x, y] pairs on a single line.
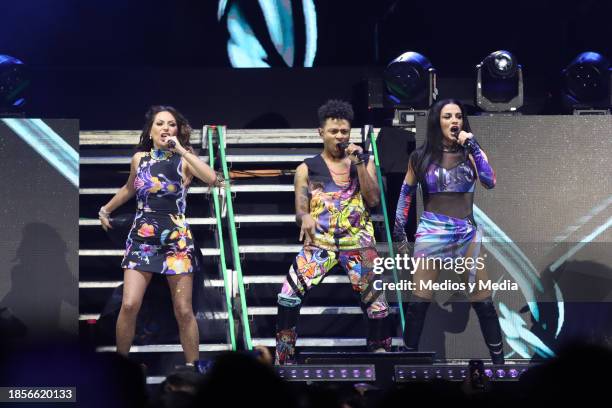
{"points": [[171, 144], [455, 131], [344, 145]]}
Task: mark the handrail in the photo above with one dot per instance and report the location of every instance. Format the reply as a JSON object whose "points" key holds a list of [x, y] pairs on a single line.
{"points": [[383, 204], [234, 240], [223, 264]]}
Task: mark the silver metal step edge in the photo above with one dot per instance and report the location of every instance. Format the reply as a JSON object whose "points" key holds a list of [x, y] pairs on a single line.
{"points": [[322, 342], [272, 310], [218, 283], [231, 158], [165, 348], [254, 188], [259, 218], [232, 136]]}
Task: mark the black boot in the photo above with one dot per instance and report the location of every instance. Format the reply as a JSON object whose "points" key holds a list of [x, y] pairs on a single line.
{"points": [[286, 335], [414, 313], [379, 336], [491, 330]]}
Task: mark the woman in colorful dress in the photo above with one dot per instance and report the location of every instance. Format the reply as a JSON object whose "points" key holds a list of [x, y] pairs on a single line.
{"points": [[447, 167], [160, 239]]}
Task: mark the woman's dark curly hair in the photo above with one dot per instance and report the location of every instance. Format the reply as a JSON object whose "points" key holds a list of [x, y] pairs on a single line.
{"points": [[183, 132], [335, 109]]}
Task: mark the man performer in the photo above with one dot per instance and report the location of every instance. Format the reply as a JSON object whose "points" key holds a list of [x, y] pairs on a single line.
{"points": [[333, 193]]}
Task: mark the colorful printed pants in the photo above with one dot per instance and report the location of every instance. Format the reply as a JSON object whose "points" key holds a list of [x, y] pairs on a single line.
{"points": [[309, 269]]}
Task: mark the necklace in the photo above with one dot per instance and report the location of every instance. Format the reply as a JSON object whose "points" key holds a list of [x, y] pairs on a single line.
{"points": [[161, 154], [450, 149], [337, 173]]}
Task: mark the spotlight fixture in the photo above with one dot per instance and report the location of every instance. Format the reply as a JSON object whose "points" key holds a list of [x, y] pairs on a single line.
{"points": [[410, 81], [586, 84], [499, 83], [13, 84]]}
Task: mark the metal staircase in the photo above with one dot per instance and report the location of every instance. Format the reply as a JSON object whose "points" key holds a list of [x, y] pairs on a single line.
{"points": [[268, 240], [251, 226]]}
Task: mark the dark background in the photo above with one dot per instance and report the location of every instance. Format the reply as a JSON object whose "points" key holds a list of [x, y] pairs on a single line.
{"points": [[106, 62], [545, 35]]}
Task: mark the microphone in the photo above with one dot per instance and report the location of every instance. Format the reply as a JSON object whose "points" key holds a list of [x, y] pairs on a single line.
{"points": [[362, 156], [468, 144], [344, 145], [455, 131], [171, 144]]}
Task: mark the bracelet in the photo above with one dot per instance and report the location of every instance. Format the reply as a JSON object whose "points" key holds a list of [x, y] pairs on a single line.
{"points": [[103, 213]]}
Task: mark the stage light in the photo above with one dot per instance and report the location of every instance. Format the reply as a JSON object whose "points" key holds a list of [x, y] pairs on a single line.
{"points": [[13, 85], [499, 83], [455, 372], [349, 372], [410, 81], [586, 84]]}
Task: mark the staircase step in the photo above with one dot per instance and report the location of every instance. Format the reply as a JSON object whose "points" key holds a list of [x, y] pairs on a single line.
{"points": [[284, 249], [232, 136], [121, 252], [165, 348], [259, 218], [272, 310], [322, 342], [240, 188], [218, 283], [88, 222], [123, 137]]}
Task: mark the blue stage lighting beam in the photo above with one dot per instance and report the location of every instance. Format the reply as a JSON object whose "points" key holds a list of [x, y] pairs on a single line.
{"points": [[49, 145]]}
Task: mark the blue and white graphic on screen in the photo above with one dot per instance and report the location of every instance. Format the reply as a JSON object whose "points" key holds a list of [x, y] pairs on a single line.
{"points": [[536, 337], [247, 49]]}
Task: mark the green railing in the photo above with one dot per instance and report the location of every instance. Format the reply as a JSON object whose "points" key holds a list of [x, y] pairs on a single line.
{"points": [[234, 240], [383, 205], [223, 265]]}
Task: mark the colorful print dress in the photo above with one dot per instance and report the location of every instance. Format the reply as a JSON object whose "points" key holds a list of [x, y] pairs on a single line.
{"points": [[160, 240]]}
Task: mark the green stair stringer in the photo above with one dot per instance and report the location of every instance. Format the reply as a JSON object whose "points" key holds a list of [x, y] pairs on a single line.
{"points": [[246, 329], [383, 205], [222, 262]]}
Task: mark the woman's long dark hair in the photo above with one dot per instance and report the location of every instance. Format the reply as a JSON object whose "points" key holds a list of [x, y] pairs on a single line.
{"points": [[431, 150], [184, 129]]}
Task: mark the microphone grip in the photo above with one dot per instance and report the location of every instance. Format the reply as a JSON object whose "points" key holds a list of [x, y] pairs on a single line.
{"points": [[344, 145], [171, 144]]}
